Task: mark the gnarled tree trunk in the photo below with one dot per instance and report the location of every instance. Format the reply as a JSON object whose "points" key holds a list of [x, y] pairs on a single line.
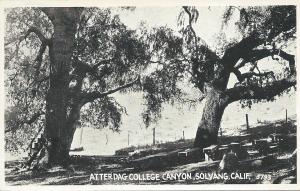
{"points": [[59, 130], [207, 132]]}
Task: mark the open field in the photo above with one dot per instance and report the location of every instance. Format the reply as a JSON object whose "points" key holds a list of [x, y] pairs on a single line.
{"points": [[174, 121]]}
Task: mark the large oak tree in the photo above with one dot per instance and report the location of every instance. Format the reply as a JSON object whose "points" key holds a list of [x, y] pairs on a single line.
{"points": [[263, 29], [62, 65], [265, 32]]}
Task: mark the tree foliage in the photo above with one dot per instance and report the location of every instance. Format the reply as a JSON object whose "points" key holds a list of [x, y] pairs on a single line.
{"points": [[108, 57], [264, 34]]}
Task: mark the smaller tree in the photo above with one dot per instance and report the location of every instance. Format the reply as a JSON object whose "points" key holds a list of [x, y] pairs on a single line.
{"points": [[265, 32]]}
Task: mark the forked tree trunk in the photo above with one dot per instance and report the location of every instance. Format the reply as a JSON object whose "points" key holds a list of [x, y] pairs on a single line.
{"points": [[207, 132]]}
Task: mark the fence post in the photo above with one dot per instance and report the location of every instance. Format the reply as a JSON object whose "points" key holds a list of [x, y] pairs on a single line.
{"points": [[286, 118], [247, 122], [128, 138], [154, 136]]}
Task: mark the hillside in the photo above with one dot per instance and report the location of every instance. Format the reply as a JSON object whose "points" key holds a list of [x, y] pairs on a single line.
{"points": [[280, 168]]}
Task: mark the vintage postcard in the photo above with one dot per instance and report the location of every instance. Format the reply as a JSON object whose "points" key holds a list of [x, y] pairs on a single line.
{"points": [[149, 95]]}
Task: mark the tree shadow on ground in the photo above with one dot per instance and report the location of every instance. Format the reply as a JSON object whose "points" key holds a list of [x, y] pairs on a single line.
{"points": [[282, 169]]}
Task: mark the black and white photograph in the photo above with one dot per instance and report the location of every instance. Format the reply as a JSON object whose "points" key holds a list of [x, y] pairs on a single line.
{"points": [[149, 95]]}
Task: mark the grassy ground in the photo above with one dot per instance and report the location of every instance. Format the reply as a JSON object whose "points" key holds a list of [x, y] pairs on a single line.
{"points": [[280, 168]]}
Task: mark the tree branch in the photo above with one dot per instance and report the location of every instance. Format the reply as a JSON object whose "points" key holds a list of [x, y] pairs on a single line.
{"points": [[191, 27], [34, 118], [288, 57], [89, 97], [34, 30], [255, 55], [241, 77], [39, 60], [239, 50], [29, 121], [258, 54], [37, 32], [255, 91]]}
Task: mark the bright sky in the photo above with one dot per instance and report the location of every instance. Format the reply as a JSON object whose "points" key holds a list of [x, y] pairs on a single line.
{"points": [[207, 26]]}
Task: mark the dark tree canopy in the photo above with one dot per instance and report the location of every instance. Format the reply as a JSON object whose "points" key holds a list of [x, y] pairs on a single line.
{"points": [[107, 57], [265, 32]]}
